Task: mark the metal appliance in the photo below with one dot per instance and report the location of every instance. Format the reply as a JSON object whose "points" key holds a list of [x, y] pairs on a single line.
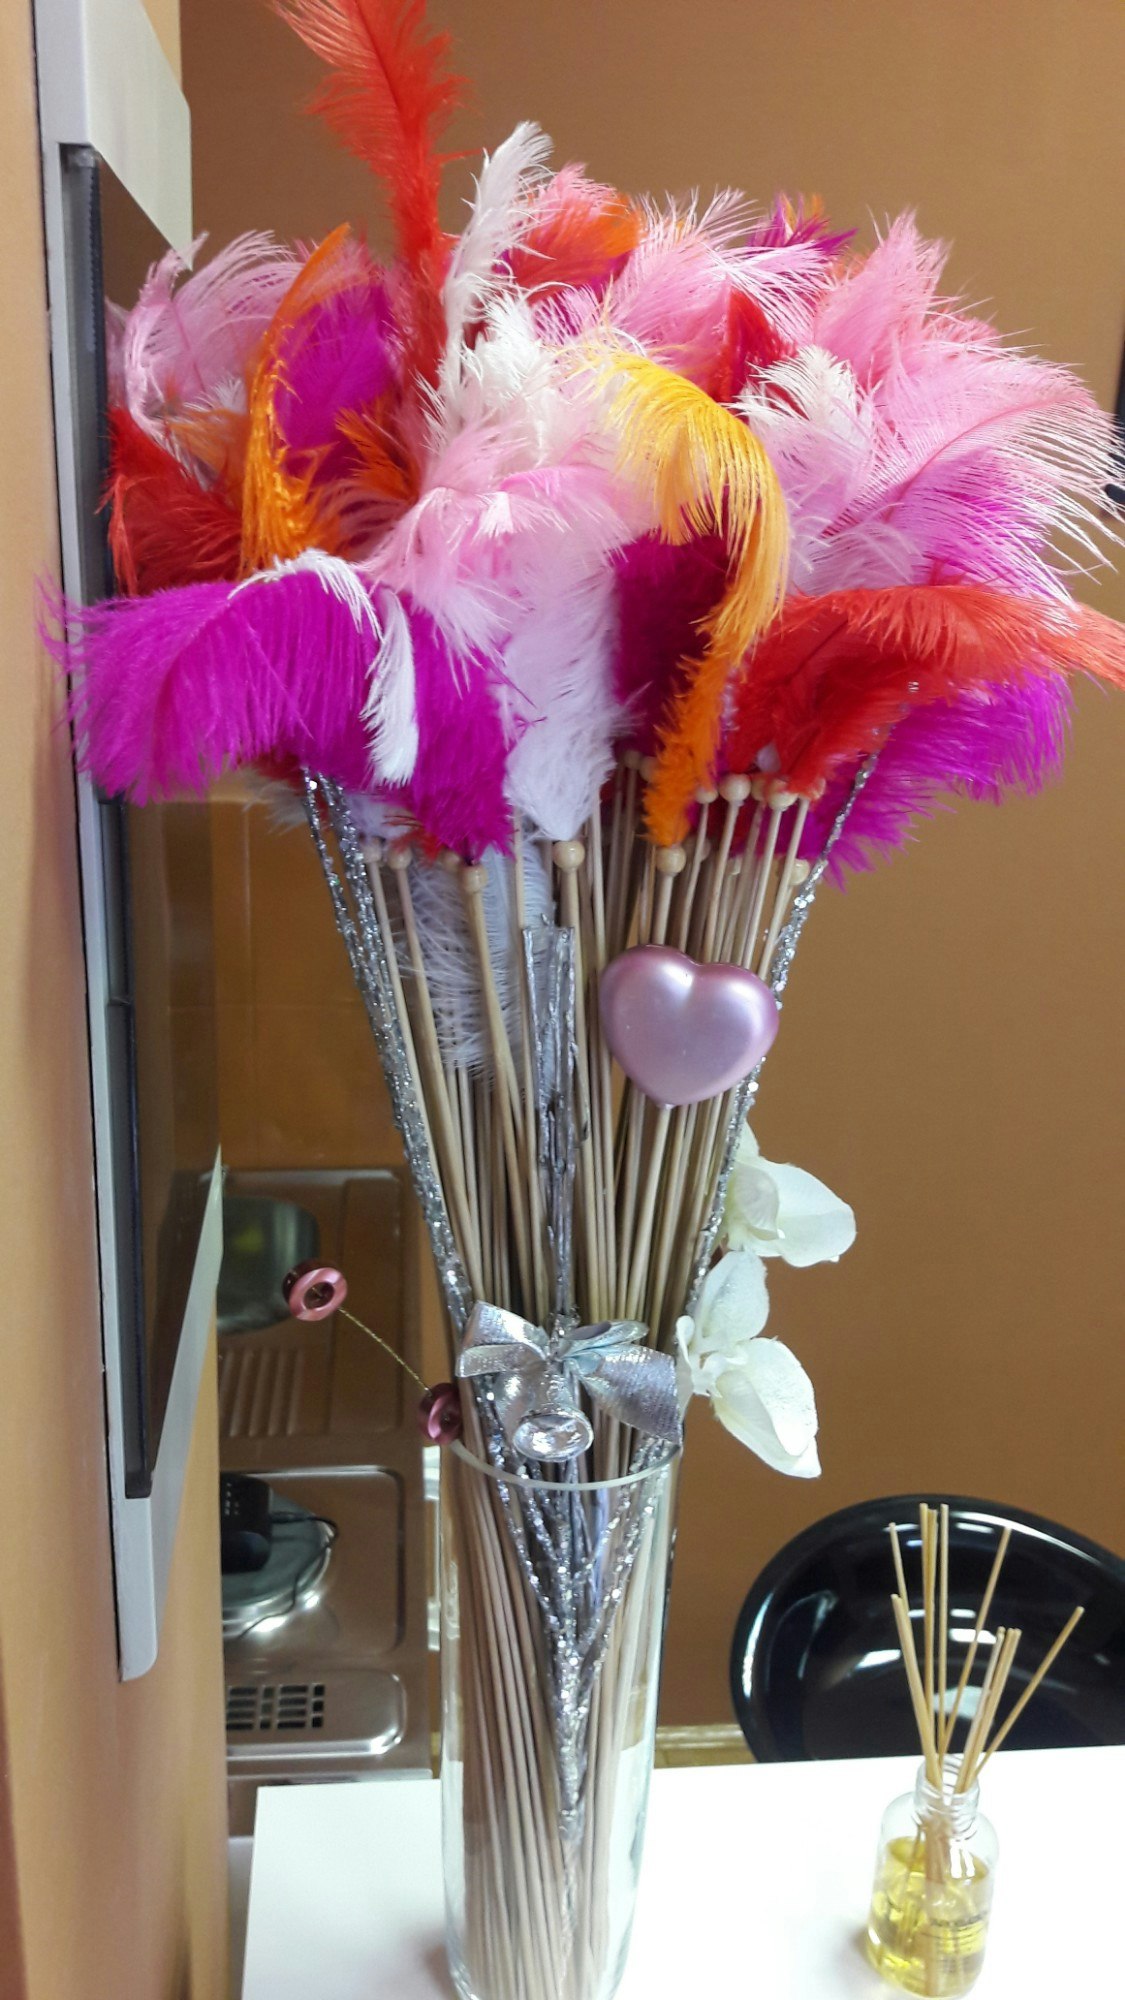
{"points": [[325, 1647]]}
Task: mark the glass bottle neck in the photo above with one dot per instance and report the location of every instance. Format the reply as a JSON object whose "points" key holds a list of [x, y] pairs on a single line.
{"points": [[958, 1811]]}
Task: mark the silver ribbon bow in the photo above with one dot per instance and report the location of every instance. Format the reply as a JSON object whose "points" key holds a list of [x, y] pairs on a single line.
{"points": [[538, 1378]]}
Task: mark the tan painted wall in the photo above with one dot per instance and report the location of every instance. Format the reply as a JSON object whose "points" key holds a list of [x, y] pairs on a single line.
{"points": [[112, 1798], [951, 1052]]}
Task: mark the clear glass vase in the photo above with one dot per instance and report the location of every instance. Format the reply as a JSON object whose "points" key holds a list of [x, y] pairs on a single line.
{"points": [[553, 1600]]}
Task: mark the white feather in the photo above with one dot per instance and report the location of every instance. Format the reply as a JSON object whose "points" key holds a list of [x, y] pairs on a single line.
{"points": [[449, 955], [559, 675], [498, 217], [390, 711]]}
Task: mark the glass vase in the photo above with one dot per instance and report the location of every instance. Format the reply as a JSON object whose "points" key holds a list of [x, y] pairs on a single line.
{"points": [[553, 1600], [932, 1898]]}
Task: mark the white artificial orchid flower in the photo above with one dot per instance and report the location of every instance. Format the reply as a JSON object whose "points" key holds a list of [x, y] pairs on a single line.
{"points": [[781, 1211], [758, 1389]]}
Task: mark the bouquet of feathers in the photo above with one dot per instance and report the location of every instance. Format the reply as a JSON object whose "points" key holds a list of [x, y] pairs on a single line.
{"points": [[595, 581]]}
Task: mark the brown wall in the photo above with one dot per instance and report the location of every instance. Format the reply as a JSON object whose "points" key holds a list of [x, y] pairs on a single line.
{"points": [[951, 1052], [112, 1802]]}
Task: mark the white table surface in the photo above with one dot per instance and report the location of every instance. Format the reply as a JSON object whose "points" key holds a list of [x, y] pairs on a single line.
{"points": [[755, 1882]]}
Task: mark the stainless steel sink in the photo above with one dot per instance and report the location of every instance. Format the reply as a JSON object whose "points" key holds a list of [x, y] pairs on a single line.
{"points": [[329, 1678]]}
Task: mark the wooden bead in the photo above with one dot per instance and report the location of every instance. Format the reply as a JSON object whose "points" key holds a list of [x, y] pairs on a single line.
{"points": [[705, 795], [399, 859], [648, 769], [670, 860], [632, 760], [735, 789], [374, 851], [568, 855], [801, 872], [473, 880], [450, 860], [780, 802]]}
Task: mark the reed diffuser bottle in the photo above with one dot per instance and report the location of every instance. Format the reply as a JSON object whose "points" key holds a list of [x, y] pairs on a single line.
{"points": [[934, 1874], [936, 1863]]}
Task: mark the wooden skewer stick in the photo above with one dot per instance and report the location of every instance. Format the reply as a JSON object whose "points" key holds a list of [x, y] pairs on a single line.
{"points": [[992, 1692], [430, 1050], [472, 882], [621, 856], [929, 1573], [900, 1574], [568, 856], [972, 1740], [647, 1215], [941, 1617], [1041, 1671], [601, 1070], [784, 888], [704, 798], [982, 1619], [763, 868], [923, 1717], [734, 791], [527, 1060]]}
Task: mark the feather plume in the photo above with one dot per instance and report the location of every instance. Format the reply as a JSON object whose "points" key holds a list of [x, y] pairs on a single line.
{"points": [[172, 690], [389, 98], [835, 674], [283, 508], [499, 215], [391, 711], [665, 595], [191, 337], [578, 234], [879, 313], [516, 497], [341, 357], [699, 287], [989, 462], [558, 689], [452, 967], [702, 471], [990, 741], [164, 528], [455, 795]]}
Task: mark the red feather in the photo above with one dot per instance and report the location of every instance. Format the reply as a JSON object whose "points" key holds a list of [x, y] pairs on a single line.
{"points": [[164, 528], [389, 98], [830, 679]]}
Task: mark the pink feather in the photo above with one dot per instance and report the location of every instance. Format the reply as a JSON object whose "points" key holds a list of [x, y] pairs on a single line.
{"points": [[191, 335]]}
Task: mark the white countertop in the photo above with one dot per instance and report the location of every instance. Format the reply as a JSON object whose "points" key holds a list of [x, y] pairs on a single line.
{"points": [[756, 1881]]}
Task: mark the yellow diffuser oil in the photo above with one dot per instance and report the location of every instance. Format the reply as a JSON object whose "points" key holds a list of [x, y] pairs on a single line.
{"points": [[934, 1873]]}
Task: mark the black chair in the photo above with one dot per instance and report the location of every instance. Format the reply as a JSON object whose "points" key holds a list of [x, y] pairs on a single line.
{"points": [[815, 1665]]}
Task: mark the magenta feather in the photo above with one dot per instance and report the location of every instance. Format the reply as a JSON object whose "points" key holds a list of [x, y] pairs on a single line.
{"points": [[456, 794], [172, 690], [991, 742], [664, 596], [339, 360]]}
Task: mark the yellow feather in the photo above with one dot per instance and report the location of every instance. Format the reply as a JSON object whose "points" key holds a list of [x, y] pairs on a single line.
{"points": [[703, 472]]}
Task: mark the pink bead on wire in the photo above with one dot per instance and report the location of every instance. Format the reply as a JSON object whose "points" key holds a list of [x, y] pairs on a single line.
{"points": [[315, 1291]]}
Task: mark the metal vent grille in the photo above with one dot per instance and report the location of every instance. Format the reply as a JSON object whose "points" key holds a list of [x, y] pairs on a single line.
{"points": [[263, 1391], [288, 1705]]}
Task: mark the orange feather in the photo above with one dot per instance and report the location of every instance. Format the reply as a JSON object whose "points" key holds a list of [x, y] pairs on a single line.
{"points": [[282, 510]]}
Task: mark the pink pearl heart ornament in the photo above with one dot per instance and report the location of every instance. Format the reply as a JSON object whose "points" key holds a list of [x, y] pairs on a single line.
{"points": [[684, 1032]]}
